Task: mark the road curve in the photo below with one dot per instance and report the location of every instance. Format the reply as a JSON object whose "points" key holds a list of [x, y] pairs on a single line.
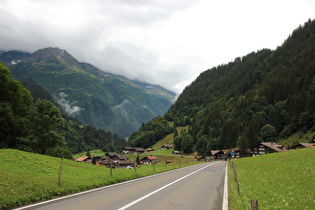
{"points": [[194, 187]]}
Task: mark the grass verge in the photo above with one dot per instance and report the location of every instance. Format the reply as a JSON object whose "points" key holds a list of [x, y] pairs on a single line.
{"points": [[27, 177], [282, 180]]}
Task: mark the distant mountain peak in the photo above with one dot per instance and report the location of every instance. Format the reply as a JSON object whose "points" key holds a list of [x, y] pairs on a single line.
{"points": [[53, 53]]}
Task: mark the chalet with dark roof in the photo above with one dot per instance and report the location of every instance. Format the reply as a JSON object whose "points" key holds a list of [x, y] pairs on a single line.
{"points": [[302, 145], [127, 150], [217, 154], [138, 150], [116, 157], [167, 146], [266, 147]]}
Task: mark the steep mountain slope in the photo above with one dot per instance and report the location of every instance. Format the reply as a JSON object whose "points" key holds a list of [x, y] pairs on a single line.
{"points": [[94, 97], [13, 57], [262, 96]]}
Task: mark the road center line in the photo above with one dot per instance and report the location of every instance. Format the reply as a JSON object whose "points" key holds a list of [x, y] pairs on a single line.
{"points": [[165, 186]]}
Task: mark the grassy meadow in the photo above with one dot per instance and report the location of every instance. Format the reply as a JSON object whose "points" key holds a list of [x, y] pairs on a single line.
{"points": [[28, 177], [284, 180]]}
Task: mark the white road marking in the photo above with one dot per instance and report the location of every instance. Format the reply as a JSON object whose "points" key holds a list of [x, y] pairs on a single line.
{"points": [[165, 186], [225, 205]]}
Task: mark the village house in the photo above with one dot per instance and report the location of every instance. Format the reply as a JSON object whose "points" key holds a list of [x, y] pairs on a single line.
{"points": [[100, 160], [116, 157], [302, 145], [235, 153], [107, 163], [149, 160], [266, 147], [110, 160], [117, 164], [176, 152], [167, 146], [138, 150], [126, 164], [84, 159], [217, 154], [150, 150], [127, 150]]}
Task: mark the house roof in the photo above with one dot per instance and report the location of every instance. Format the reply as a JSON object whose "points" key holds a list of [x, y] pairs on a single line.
{"points": [[273, 146], [121, 157], [306, 145], [167, 145], [236, 149], [214, 152], [150, 157], [82, 158]]}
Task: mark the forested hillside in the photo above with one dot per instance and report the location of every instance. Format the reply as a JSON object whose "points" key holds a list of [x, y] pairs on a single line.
{"points": [[263, 96], [92, 96], [34, 123]]}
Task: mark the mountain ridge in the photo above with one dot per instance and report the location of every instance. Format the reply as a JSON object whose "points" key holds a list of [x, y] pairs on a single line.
{"points": [[94, 97]]}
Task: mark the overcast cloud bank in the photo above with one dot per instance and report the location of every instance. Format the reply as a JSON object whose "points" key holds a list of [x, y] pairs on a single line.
{"points": [[159, 41]]}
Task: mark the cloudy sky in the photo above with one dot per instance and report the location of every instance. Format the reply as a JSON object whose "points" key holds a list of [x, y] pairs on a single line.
{"points": [[165, 42]]}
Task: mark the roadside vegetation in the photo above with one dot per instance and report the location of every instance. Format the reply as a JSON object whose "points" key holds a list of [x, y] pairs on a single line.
{"points": [[282, 180], [28, 177]]}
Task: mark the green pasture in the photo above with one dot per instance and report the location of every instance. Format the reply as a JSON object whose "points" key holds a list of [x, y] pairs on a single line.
{"points": [[284, 180]]}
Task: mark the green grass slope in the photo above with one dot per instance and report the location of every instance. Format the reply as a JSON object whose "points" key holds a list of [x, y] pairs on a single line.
{"points": [[27, 177], [278, 181]]}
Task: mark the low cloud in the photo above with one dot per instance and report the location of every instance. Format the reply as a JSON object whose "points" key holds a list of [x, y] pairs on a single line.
{"points": [[66, 105]]}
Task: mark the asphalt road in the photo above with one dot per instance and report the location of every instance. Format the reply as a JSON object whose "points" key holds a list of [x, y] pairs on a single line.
{"points": [[195, 187]]}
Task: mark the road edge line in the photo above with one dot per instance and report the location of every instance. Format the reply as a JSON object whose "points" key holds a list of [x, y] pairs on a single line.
{"points": [[225, 205]]}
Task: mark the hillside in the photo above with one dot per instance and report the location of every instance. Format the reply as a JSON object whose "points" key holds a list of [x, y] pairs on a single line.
{"points": [[229, 105], [92, 96]]}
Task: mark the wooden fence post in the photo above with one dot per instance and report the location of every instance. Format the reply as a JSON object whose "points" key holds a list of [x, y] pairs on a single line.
{"points": [[153, 163], [254, 204], [135, 166], [60, 170], [234, 170], [236, 179], [111, 169]]}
